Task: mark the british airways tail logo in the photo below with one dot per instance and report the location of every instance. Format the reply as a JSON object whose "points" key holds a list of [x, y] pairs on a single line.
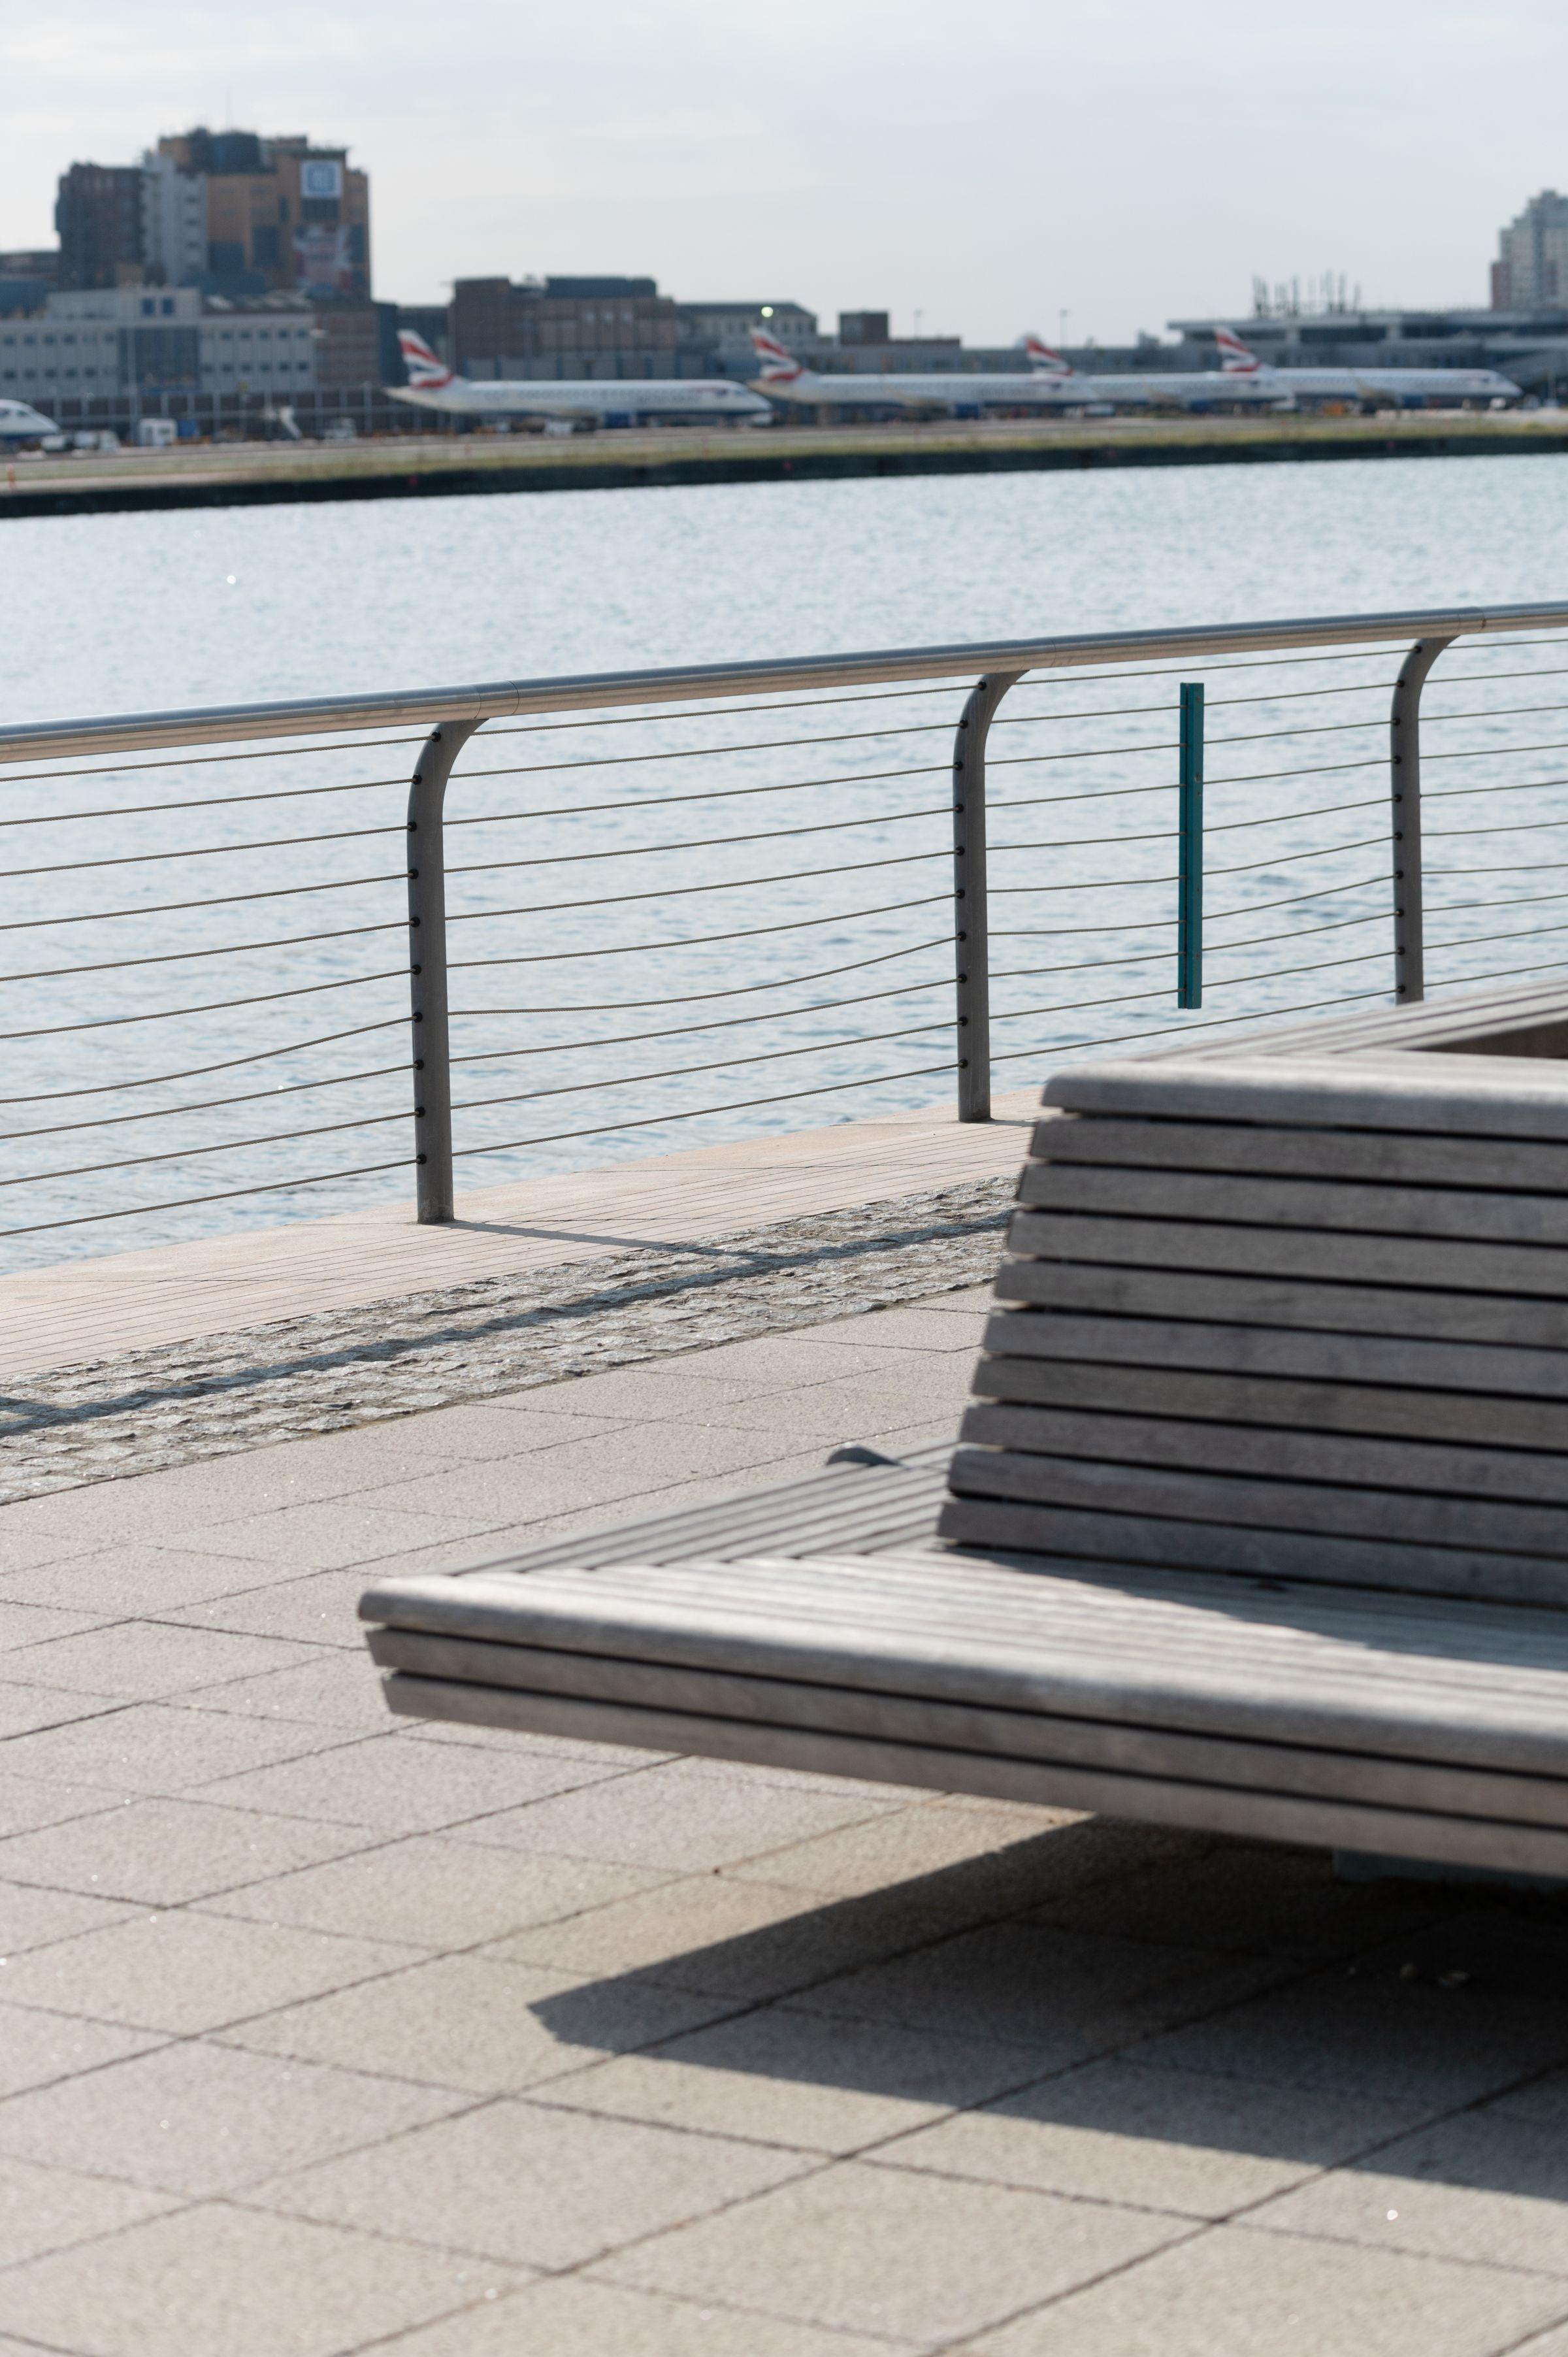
{"points": [[1235, 358], [425, 372]]}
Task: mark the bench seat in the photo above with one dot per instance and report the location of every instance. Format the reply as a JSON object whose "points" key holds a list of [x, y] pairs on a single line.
{"points": [[1258, 1524]]}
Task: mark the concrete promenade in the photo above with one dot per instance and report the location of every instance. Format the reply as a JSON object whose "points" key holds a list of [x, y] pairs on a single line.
{"points": [[319, 2035]]}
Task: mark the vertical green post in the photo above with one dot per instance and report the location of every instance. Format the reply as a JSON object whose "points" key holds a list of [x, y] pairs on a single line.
{"points": [[1189, 828]]}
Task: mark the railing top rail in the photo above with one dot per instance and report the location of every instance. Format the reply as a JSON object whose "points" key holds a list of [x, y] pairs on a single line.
{"points": [[590, 691]]}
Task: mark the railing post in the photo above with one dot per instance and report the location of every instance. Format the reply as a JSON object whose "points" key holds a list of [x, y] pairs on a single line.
{"points": [[1404, 786], [1189, 843], [431, 1052], [971, 945]]}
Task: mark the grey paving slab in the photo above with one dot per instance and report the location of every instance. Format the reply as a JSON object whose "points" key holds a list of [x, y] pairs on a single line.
{"points": [[932, 1386], [1069, 1995], [433, 1890], [785, 2077], [36, 2048], [336, 1531], [49, 2209], [389, 1782], [968, 1860], [197, 2118], [330, 1687], [1231, 2292], [1395, 2039], [237, 2284], [517, 2181], [24, 1623], [1543, 2100], [574, 2316], [881, 2251], [163, 1852], [158, 1748], [317, 1608], [113, 1581], [554, 1480], [728, 1938], [690, 1387], [680, 1818], [469, 2022], [24, 1708], [951, 1322], [1482, 2186], [139, 1661], [1253, 1896], [1174, 2140], [31, 1917], [184, 1970], [30, 1801]]}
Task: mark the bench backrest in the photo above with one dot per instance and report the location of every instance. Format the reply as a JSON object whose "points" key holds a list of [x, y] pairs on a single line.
{"points": [[1293, 1313]]}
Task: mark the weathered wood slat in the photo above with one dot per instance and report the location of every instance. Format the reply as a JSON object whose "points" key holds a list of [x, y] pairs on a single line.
{"points": [[1398, 1157], [1531, 1270], [1534, 1381], [971, 1520], [1489, 1097], [1124, 1746], [1266, 1504], [1394, 1310], [1362, 1409], [1532, 1479], [1195, 1656], [1328, 1205], [1515, 1849]]}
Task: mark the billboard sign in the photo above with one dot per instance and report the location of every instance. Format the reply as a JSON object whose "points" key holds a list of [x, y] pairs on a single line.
{"points": [[321, 178], [321, 260]]}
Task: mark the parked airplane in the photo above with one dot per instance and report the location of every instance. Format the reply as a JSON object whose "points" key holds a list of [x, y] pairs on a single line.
{"points": [[20, 424], [785, 378], [1410, 388], [614, 401], [1192, 388]]}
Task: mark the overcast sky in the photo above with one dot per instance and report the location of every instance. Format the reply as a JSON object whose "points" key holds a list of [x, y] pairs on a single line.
{"points": [[985, 166]]}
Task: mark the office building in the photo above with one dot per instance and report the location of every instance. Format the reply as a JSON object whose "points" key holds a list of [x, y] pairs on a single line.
{"points": [[97, 212], [564, 327], [1531, 272]]}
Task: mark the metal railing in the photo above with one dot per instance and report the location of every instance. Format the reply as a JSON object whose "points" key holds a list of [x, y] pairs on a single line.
{"points": [[779, 873]]}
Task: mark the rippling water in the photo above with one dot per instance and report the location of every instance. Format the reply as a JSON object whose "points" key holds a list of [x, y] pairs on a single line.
{"points": [[583, 934]]}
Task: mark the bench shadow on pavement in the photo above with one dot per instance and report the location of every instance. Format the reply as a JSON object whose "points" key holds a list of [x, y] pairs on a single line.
{"points": [[1201, 1992]]}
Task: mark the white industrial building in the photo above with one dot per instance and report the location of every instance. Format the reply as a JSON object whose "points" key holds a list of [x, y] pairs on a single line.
{"points": [[152, 340]]}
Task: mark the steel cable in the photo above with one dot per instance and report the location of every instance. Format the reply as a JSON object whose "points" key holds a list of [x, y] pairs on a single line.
{"points": [[225, 1194], [699, 940]]}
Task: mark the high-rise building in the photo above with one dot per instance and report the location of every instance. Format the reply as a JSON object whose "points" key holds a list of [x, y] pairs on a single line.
{"points": [[97, 213], [1531, 272], [227, 212]]}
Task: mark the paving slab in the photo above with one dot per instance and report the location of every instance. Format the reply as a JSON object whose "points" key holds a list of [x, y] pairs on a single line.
{"points": [[574, 2316], [386, 1780], [163, 1852], [235, 2283], [1232, 2292], [198, 2118], [516, 2181], [52, 2209], [882, 2250]]}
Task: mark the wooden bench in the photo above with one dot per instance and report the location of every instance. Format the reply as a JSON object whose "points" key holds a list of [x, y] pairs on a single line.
{"points": [[1259, 1523]]}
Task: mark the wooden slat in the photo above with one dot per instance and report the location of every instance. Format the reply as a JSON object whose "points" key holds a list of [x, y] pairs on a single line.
{"points": [[1477, 1097], [1237, 1549], [1532, 1479], [1536, 1271], [1328, 1205], [1217, 1809], [1284, 1301], [1533, 1380], [1122, 1487], [1126, 1747], [1362, 1409], [1408, 1678], [1402, 1156]]}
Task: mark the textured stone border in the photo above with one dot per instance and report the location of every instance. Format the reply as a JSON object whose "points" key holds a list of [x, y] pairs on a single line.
{"points": [[144, 1410]]}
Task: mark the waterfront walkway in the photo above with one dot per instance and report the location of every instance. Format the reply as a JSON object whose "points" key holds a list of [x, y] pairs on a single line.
{"points": [[320, 2034]]}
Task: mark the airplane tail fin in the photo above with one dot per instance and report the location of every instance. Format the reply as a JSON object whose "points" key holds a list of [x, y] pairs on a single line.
{"points": [[425, 372], [1041, 359], [778, 366], [1236, 359]]}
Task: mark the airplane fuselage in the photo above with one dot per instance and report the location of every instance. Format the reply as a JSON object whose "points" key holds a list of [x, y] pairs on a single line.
{"points": [[950, 390], [626, 399], [18, 423]]}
